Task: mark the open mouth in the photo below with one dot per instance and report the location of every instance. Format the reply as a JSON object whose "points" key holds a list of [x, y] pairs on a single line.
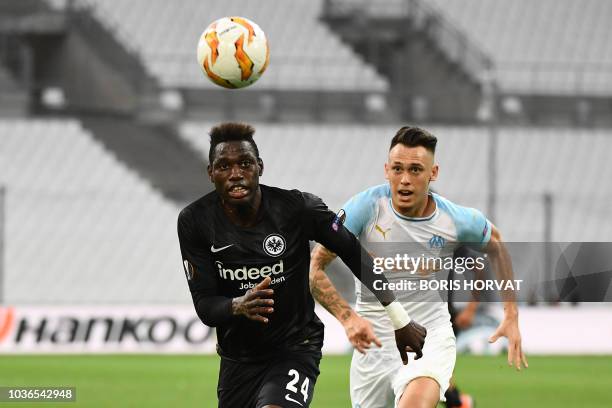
{"points": [[238, 191], [404, 193]]}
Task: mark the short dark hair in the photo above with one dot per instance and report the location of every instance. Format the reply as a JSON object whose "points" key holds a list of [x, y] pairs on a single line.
{"points": [[231, 132], [414, 136]]}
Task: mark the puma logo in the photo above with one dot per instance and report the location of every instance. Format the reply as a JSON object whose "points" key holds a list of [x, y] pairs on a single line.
{"points": [[382, 231]]}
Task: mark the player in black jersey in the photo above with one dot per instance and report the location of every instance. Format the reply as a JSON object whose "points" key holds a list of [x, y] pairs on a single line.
{"points": [[246, 254]]}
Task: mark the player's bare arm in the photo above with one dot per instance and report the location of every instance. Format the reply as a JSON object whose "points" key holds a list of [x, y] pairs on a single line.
{"points": [[409, 335], [509, 327], [358, 330]]}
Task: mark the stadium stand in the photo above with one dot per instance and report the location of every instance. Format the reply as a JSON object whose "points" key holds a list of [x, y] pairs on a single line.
{"points": [[7, 83], [547, 46], [80, 226], [155, 152], [337, 161], [79, 223], [550, 62], [306, 55], [13, 98], [87, 200], [20, 7]]}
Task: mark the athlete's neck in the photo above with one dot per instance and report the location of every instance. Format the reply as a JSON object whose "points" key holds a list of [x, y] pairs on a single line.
{"points": [[418, 211], [245, 215]]}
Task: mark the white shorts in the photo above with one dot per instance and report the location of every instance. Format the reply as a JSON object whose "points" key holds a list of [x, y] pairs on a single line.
{"points": [[378, 378]]}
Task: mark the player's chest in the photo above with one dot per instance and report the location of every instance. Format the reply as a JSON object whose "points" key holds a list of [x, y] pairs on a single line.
{"points": [[243, 257], [436, 236], [269, 239]]}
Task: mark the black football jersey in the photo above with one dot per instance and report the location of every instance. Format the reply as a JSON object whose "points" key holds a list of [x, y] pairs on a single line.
{"points": [[223, 260]]}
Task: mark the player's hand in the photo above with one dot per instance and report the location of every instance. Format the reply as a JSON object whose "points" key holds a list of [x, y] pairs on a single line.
{"points": [[360, 333], [255, 302], [410, 338], [509, 328]]}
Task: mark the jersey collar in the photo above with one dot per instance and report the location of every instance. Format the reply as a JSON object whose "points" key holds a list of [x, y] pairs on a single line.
{"points": [[415, 219]]}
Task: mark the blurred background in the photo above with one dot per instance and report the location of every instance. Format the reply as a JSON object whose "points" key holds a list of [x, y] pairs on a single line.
{"points": [[104, 114]]}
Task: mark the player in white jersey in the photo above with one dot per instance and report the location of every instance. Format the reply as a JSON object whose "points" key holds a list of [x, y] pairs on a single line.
{"points": [[404, 215]]}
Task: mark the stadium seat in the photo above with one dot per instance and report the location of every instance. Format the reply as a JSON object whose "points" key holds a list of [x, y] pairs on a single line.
{"points": [[552, 47], [305, 54], [546, 46], [532, 162], [81, 227]]}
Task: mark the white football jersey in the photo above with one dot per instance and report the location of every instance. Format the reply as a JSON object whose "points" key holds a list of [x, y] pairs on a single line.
{"points": [[387, 234]]}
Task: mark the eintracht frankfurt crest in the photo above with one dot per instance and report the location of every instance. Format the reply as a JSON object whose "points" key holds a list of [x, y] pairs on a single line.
{"points": [[274, 245]]}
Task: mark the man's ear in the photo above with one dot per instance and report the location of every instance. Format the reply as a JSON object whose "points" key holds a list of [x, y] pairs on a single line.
{"points": [[209, 171], [261, 166], [387, 171], [434, 173]]}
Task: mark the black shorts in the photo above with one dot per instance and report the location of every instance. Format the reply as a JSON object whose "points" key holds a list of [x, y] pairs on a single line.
{"points": [[287, 380]]}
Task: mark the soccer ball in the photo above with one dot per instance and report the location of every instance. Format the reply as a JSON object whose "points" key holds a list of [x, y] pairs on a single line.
{"points": [[233, 52]]}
